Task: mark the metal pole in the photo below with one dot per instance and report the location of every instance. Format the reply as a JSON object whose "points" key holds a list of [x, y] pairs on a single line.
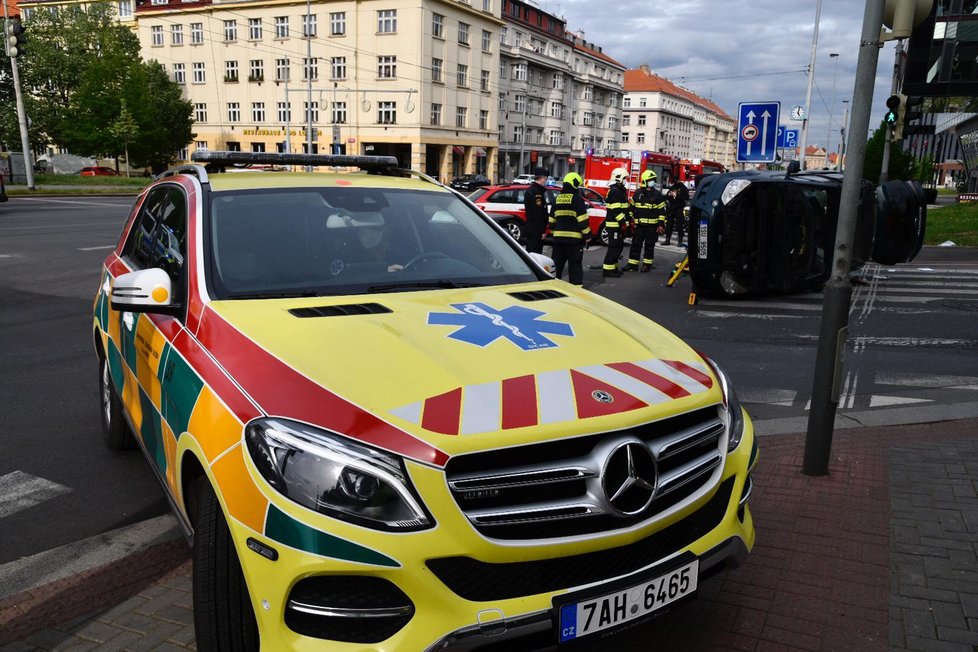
{"points": [[811, 82], [828, 136], [842, 133], [894, 87], [838, 291], [288, 120], [519, 171], [25, 142], [309, 80]]}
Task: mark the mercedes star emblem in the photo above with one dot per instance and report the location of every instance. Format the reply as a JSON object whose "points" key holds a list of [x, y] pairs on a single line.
{"points": [[630, 477], [602, 396]]}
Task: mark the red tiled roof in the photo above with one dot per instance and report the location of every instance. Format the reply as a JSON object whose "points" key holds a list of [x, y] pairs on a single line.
{"points": [[639, 80], [596, 54]]}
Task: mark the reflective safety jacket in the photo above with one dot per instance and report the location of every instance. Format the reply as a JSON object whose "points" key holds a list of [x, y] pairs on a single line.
{"points": [[569, 221], [617, 205], [649, 207]]}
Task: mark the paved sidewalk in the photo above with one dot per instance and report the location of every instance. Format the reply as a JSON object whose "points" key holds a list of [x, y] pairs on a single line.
{"points": [[881, 554]]}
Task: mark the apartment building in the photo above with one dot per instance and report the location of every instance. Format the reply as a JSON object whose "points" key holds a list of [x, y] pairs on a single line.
{"points": [[383, 77], [662, 117], [558, 94]]}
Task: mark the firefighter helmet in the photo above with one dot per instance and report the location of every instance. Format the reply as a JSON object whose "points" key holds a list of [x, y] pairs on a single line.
{"points": [[648, 175], [574, 179], [619, 175]]}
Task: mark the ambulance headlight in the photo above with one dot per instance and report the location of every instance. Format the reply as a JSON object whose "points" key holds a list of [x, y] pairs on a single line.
{"points": [[732, 412], [336, 476]]}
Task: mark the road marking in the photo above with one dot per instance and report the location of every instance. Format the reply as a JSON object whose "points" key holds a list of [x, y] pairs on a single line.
{"points": [[762, 304], [884, 401], [930, 381], [768, 396], [19, 491], [726, 315], [6, 256], [112, 246], [80, 203], [57, 226]]}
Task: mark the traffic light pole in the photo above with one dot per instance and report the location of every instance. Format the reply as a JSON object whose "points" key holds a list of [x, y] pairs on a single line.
{"points": [[25, 142], [834, 329], [894, 88]]}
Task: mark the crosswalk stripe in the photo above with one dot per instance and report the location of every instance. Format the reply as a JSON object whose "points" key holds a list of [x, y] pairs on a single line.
{"points": [[20, 491]]}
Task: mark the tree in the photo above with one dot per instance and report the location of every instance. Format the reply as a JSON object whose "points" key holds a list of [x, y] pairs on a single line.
{"points": [[164, 117], [125, 129], [901, 163]]}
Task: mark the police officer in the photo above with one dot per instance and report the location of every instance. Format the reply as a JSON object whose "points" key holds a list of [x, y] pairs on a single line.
{"points": [[570, 229], [678, 195], [536, 201], [648, 211], [614, 223]]}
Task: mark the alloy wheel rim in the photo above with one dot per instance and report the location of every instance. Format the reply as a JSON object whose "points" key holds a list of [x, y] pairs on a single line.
{"points": [[106, 396]]}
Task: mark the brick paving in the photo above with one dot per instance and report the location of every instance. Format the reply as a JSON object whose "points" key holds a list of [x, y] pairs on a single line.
{"points": [[881, 554]]}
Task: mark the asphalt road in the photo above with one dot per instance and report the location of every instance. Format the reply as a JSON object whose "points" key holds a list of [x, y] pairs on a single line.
{"points": [[913, 339]]}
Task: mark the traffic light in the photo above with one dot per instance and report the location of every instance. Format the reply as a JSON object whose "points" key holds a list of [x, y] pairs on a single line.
{"points": [[914, 113], [896, 106], [15, 37]]}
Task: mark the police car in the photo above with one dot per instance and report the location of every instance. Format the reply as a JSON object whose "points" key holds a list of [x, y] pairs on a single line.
{"points": [[384, 425]]}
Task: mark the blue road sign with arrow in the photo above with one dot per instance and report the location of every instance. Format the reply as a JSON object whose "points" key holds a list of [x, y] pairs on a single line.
{"points": [[757, 132]]}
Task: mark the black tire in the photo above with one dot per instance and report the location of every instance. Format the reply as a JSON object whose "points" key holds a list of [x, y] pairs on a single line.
{"points": [[515, 229], [115, 430], [224, 619]]}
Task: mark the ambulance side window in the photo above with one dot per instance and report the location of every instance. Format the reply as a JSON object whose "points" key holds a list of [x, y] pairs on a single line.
{"points": [[139, 248], [159, 235]]}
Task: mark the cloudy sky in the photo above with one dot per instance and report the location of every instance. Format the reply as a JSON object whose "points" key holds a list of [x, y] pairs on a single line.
{"points": [[734, 52]]}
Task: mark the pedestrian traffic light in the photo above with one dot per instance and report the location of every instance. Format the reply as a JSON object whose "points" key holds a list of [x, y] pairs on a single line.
{"points": [[912, 114], [895, 105], [15, 37]]}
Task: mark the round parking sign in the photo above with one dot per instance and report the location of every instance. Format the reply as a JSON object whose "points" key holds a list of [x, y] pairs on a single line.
{"points": [[749, 133]]}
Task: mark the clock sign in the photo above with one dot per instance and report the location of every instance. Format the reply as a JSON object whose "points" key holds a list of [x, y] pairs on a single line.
{"points": [[797, 113]]}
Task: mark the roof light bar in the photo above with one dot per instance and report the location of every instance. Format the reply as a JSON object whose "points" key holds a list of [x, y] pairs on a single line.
{"points": [[274, 158]]}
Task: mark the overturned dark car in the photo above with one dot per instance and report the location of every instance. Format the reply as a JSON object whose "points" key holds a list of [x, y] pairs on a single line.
{"points": [[766, 232]]}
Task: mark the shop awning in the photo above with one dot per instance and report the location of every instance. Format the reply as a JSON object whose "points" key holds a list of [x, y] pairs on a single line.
{"points": [[951, 164], [480, 152], [456, 149]]}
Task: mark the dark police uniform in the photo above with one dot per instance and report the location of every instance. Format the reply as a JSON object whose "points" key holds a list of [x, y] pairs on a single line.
{"points": [[536, 201], [614, 224], [649, 206], [570, 229], [674, 219]]}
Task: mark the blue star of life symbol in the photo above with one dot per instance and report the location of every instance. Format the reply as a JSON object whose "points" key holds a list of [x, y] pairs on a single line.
{"points": [[482, 324]]}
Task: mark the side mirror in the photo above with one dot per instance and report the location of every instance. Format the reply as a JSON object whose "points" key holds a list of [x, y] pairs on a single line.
{"points": [[794, 167], [146, 290], [543, 261]]}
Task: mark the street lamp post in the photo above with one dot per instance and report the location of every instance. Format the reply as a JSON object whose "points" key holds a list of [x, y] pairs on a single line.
{"points": [[808, 95], [835, 74]]}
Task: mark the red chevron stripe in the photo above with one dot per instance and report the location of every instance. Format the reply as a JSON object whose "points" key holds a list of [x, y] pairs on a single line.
{"points": [[214, 376], [281, 390], [692, 372], [519, 402], [664, 385], [588, 406], [442, 412]]}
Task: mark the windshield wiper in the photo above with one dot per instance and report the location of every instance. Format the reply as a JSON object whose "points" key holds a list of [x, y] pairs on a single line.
{"points": [[422, 285], [275, 295]]}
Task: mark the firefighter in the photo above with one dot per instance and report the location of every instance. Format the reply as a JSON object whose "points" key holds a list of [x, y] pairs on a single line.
{"points": [[678, 195], [648, 213], [536, 201], [616, 220], [570, 229]]}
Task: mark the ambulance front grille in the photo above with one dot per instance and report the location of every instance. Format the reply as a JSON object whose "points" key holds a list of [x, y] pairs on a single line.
{"points": [[554, 489]]}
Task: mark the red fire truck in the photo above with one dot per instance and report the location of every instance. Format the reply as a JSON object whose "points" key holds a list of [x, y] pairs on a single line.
{"points": [[598, 169], [687, 170]]}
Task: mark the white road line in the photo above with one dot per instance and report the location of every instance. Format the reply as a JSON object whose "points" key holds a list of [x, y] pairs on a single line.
{"points": [[19, 491], [884, 401], [57, 226], [112, 246], [932, 290], [80, 203], [930, 380], [711, 314], [762, 304], [6, 256]]}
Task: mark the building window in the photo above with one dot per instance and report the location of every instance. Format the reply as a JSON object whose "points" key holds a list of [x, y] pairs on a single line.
{"points": [[558, 81], [387, 21], [587, 93], [640, 138], [281, 70], [312, 113], [626, 120], [642, 102], [201, 145], [308, 25], [463, 33], [234, 112], [196, 33], [519, 71], [234, 146], [257, 70], [641, 120], [387, 113], [310, 68], [555, 137], [230, 30], [461, 116], [387, 67], [484, 82], [588, 119], [483, 119], [556, 110], [258, 112], [230, 71], [281, 27], [486, 40], [438, 26], [176, 34], [612, 123], [436, 114], [254, 29], [338, 68], [199, 76], [462, 77], [504, 36], [305, 148], [520, 103], [182, 155], [487, 5], [624, 138], [156, 31], [285, 112], [626, 103], [125, 8], [518, 133], [200, 112], [180, 73], [337, 23], [436, 70], [339, 113], [258, 147]]}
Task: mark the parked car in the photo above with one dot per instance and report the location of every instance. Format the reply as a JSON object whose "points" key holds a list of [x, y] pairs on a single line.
{"points": [[470, 182], [98, 171], [527, 179], [759, 232], [508, 200], [370, 455]]}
